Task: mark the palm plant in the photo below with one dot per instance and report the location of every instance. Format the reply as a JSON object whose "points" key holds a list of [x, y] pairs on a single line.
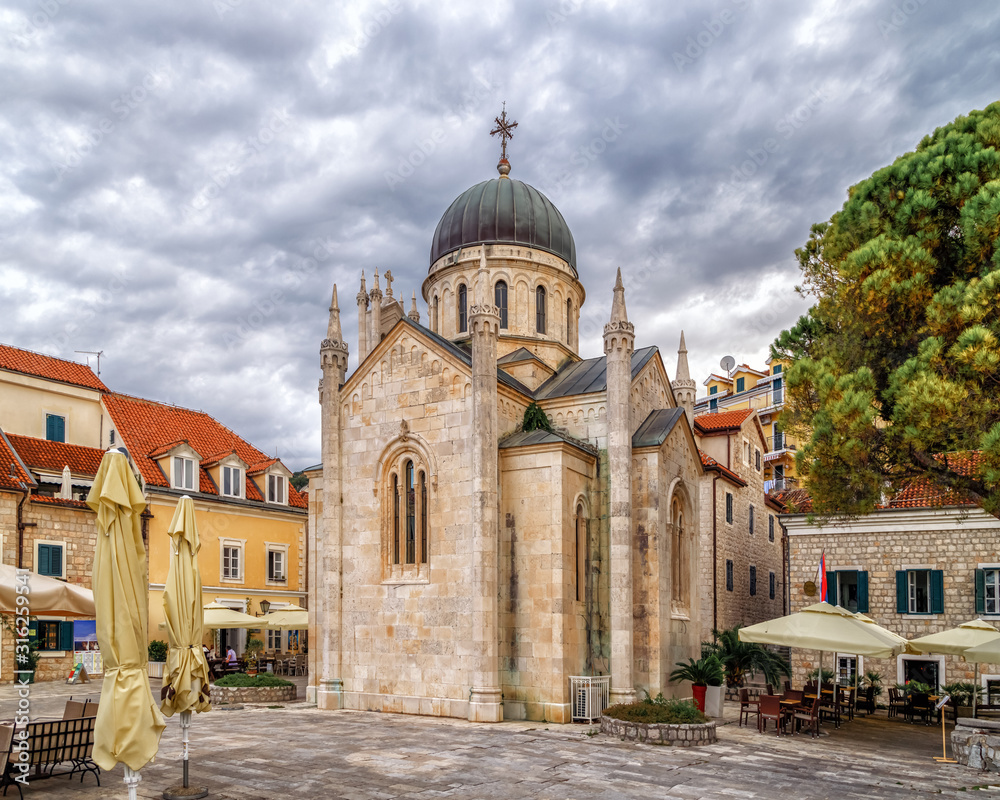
{"points": [[706, 671], [742, 659]]}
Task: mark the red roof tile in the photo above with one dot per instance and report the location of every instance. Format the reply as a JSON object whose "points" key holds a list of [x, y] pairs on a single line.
{"points": [[724, 421], [53, 369], [13, 474], [710, 463], [59, 501], [43, 454], [796, 501], [148, 428], [260, 466]]}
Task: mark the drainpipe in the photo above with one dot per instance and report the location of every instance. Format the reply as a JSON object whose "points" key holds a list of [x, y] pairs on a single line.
{"points": [[715, 559], [21, 525]]}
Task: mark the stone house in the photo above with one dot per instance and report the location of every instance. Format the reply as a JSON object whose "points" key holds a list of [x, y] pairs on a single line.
{"points": [[926, 561], [467, 567], [742, 543]]}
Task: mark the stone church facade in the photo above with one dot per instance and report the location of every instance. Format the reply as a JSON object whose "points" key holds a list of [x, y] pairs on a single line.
{"points": [[460, 565]]}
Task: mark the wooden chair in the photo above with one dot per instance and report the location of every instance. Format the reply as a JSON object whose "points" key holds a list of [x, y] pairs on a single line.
{"points": [[788, 687], [829, 707], [919, 704], [847, 702], [770, 689], [810, 718], [897, 702], [866, 701], [770, 709], [748, 707], [796, 695]]}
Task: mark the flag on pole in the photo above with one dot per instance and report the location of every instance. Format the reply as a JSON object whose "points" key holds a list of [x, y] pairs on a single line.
{"points": [[821, 578]]}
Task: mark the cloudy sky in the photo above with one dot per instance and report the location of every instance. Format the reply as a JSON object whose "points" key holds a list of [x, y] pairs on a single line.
{"points": [[182, 183]]}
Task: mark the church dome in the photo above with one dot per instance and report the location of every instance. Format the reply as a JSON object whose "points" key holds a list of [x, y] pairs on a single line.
{"points": [[504, 211]]}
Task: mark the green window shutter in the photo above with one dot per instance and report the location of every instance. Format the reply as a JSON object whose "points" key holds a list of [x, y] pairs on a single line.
{"points": [[55, 560], [980, 591], [65, 635], [740, 383], [901, 604], [831, 588], [937, 591], [55, 428], [43, 566], [862, 591]]}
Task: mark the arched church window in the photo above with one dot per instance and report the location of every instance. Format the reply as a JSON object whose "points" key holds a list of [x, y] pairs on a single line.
{"points": [[395, 519], [434, 316], [423, 517], [679, 557], [569, 321], [463, 309], [581, 554], [540, 309], [407, 511], [500, 301]]}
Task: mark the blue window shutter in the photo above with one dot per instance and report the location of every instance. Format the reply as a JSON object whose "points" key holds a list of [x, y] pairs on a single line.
{"points": [[937, 591], [831, 588], [901, 604], [980, 591], [55, 560], [43, 568], [55, 428], [65, 635], [862, 591]]}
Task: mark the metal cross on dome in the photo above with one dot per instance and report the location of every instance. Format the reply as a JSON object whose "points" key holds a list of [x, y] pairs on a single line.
{"points": [[504, 129]]}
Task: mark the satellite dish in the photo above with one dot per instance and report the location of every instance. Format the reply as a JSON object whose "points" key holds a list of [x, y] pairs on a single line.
{"points": [[727, 363]]}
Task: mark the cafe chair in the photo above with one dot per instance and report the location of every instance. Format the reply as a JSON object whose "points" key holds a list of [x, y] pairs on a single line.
{"points": [[808, 717], [748, 707]]}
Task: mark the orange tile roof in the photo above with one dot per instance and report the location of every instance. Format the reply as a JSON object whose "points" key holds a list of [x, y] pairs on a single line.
{"points": [[710, 463], [43, 454], [723, 421], [13, 474], [796, 501], [59, 501], [148, 428], [26, 362]]}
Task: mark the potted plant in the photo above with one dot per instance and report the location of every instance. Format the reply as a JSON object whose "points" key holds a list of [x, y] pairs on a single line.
{"points": [[741, 659], [156, 651], [702, 673], [827, 675], [254, 647], [962, 693]]}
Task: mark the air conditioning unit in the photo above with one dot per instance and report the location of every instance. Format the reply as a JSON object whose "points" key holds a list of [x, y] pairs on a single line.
{"points": [[589, 697]]}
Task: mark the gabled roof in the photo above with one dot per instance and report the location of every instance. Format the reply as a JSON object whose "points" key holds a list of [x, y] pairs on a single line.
{"points": [[656, 427], [14, 359], [43, 454], [14, 472], [147, 428], [519, 355], [591, 375], [747, 368], [795, 501], [722, 422], [710, 463], [527, 438]]}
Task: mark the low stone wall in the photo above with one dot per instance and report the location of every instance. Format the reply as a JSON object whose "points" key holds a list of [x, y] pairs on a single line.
{"points": [[692, 735], [976, 743], [252, 694]]}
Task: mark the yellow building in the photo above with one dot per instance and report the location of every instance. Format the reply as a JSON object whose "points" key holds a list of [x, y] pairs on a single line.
{"points": [[762, 390], [251, 521]]}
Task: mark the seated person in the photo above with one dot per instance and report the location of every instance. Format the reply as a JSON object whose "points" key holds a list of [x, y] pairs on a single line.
{"points": [[231, 657]]}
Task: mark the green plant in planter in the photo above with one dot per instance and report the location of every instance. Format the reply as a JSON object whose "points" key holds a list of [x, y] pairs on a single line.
{"points": [[962, 692], [873, 678], [741, 659], [157, 650], [827, 675], [706, 671], [916, 687]]}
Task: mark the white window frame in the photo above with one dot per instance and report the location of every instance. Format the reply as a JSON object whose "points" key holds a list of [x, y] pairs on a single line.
{"points": [[236, 477], [274, 640], [283, 498], [178, 482], [240, 545], [925, 657], [996, 597], [275, 547], [911, 591], [62, 561]]}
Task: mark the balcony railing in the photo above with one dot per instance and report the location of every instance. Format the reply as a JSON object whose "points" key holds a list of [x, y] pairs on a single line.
{"points": [[780, 441], [757, 399], [780, 484]]}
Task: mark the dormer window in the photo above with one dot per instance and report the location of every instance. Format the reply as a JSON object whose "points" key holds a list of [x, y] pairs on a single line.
{"points": [[277, 490], [184, 472], [232, 482]]}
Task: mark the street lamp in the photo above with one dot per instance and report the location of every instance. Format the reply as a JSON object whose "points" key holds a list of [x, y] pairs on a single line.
{"points": [[265, 606]]}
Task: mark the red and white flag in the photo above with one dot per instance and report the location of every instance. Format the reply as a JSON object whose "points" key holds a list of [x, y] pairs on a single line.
{"points": [[821, 578]]}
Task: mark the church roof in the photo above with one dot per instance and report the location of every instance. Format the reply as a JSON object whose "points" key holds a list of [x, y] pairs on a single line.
{"points": [[519, 355], [591, 375], [526, 438], [503, 211], [656, 427]]}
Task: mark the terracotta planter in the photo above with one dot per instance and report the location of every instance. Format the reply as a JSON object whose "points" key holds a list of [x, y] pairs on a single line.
{"points": [[699, 697]]}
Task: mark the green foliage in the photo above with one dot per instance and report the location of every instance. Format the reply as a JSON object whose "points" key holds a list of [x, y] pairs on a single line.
{"points": [[827, 675], [665, 711], [299, 481], [898, 362], [873, 678], [254, 646], [962, 692], [706, 671], [915, 687], [157, 650], [535, 419], [242, 679], [742, 659]]}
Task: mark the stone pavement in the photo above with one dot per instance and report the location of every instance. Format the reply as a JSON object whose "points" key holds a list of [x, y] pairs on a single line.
{"points": [[300, 752]]}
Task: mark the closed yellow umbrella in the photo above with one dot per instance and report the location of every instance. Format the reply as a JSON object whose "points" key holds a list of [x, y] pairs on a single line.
{"points": [[128, 724], [185, 679]]}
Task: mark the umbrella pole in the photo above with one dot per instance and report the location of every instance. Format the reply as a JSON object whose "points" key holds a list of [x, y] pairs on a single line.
{"points": [[185, 738], [132, 778], [185, 792]]}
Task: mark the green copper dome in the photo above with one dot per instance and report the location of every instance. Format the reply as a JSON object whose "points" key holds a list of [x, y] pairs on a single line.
{"points": [[504, 211]]}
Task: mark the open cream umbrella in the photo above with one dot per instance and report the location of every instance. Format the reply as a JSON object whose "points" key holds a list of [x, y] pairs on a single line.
{"points": [[216, 615], [959, 641], [128, 724], [185, 679], [46, 595], [290, 618]]}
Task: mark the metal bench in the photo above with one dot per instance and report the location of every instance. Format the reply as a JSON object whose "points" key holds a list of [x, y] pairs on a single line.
{"points": [[34, 751]]}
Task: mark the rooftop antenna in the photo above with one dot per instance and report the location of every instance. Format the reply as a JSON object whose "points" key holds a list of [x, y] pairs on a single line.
{"points": [[97, 353], [727, 363]]}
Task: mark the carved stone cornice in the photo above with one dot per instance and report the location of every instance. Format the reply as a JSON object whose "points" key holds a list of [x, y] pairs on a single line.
{"points": [[619, 327], [331, 344], [363, 298], [376, 295], [487, 310]]}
